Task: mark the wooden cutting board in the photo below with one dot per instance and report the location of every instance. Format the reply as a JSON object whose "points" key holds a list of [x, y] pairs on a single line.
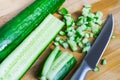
{"points": [[111, 71]]}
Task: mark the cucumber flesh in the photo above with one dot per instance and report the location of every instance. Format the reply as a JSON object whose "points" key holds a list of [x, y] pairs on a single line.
{"points": [[73, 45]]}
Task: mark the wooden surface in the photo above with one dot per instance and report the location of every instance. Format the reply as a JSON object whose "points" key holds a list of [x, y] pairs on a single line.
{"points": [[111, 71]]}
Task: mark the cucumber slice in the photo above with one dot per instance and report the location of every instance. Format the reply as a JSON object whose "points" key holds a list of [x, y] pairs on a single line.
{"points": [[49, 61], [73, 45], [80, 33], [63, 11], [65, 45]]}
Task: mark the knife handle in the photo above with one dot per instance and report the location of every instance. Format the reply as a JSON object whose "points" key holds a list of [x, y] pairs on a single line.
{"points": [[81, 72]]}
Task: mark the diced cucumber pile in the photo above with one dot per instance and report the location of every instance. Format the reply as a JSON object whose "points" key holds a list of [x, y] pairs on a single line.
{"points": [[57, 65], [78, 33]]}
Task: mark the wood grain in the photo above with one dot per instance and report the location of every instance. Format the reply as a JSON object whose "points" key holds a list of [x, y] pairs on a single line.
{"points": [[111, 71]]}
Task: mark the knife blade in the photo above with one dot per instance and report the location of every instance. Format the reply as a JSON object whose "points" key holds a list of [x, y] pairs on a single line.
{"points": [[93, 56]]}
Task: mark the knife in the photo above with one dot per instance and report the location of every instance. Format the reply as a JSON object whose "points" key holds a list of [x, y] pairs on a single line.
{"points": [[93, 56]]}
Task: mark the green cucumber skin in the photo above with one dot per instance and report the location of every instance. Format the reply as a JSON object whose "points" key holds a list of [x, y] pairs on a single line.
{"points": [[66, 69], [61, 67], [21, 59], [59, 53], [14, 31]]}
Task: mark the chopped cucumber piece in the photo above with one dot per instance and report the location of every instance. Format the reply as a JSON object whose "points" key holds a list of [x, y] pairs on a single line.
{"points": [[70, 33], [86, 49], [87, 35], [83, 27], [57, 38], [96, 34], [87, 6], [104, 61], [88, 44], [62, 33], [96, 69], [89, 29], [91, 15], [91, 35], [80, 44], [61, 41], [80, 32], [113, 36], [89, 19], [63, 11], [42, 78], [92, 24], [73, 24], [77, 40], [80, 21], [86, 11], [69, 21], [70, 29], [65, 45], [73, 45], [85, 40], [95, 28], [99, 22], [88, 25], [73, 30], [99, 15], [56, 43], [72, 38]]}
